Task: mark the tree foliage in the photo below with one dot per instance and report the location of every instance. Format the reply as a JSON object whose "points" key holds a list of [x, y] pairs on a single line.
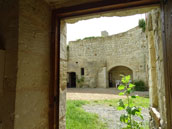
{"points": [[142, 24]]}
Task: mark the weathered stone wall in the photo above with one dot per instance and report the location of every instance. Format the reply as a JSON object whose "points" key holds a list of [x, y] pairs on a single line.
{"points": [[63, 75], [33, 76], [9, 44], [156, 68], [125, 49]]}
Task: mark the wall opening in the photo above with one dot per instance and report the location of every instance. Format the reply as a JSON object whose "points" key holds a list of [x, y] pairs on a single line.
{"points": [[99, 71], [72, 80], [115, 75]]}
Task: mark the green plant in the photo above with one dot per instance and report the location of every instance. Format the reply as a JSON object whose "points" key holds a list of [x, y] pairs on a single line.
{"points": [[77, 118], [142, 24], [140, 86], [67, 47], [80, 81], [92, 37], [131, 110]]}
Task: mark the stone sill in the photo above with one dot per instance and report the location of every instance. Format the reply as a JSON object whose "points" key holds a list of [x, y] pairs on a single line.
{"points": [[155, 116]]}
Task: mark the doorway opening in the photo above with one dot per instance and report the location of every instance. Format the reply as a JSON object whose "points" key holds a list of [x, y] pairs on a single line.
{"points": [[98, 62], [104, 69], [72, 80], [115, 75]]}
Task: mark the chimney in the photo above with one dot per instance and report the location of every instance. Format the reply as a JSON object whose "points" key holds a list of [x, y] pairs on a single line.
{"points": [[104, 33]]}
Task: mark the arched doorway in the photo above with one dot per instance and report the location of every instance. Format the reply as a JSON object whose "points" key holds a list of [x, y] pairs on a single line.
{"points": [[114, 74]]}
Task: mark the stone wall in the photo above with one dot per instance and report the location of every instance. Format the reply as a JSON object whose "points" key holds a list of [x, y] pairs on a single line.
{"points": [[156, 69], [9, 44], [125, 49], [33, 76], [63, 75]]}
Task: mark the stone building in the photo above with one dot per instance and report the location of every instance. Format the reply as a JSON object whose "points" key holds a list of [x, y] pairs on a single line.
{"points": [[31, 36], [101, 60]]}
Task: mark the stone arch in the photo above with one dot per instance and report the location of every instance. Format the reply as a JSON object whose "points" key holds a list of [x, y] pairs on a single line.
{"points": [[115, 72]]}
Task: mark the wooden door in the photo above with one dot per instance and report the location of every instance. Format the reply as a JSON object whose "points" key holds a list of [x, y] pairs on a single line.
{"points": [[167, 47]]}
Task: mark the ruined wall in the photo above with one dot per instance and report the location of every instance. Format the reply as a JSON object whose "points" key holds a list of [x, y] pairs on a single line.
{"points": [[9, 44], [156, 69], [125, 49], [33, 76]]}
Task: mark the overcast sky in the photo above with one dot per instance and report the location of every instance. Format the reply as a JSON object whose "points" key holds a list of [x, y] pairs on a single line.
{"points": [[93, 27]]}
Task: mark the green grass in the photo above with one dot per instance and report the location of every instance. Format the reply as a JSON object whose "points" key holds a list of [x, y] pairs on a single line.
{"points": [[77, 118], [140, 101]]}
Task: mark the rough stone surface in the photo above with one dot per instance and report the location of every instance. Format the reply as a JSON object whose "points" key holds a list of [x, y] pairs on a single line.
{"points": [[127, 49], [33, 76], [111, 115], [156, 68], [9, 44], [63, 75]]}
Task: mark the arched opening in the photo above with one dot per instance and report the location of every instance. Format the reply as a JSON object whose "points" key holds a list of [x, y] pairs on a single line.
{"points": [[114, 75]]}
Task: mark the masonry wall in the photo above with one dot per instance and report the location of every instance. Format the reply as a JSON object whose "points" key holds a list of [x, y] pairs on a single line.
{"points": [[9, 47], [156, 69], [33, 76], [125, 49], [63, 75]]}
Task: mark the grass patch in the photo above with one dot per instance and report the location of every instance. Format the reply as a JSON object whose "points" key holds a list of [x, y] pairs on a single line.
{"points": [[140, 101], [77, 118]]}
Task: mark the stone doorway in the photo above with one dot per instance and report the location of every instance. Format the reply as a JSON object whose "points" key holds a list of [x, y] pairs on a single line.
{"points": [[72, 80], [141, 67]]}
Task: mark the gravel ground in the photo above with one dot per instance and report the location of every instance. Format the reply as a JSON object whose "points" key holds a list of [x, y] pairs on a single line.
{"points": [[107, 114], [96, 93], [110, 115]]}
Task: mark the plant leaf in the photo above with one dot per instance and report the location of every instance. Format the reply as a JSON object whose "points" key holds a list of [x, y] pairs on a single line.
{"points": [[121, 93], [133, 96], [121, 87], [131, 85]]}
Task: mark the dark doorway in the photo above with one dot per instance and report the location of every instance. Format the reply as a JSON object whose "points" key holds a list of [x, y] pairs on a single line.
{"points": [[72, 80]]}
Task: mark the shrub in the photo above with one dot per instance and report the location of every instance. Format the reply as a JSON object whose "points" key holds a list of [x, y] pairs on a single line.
{"points": [[142, 24], [80, 81], [140, 86]]}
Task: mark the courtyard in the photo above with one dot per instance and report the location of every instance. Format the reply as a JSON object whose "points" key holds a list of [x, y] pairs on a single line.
{"points": [[96, 108]]}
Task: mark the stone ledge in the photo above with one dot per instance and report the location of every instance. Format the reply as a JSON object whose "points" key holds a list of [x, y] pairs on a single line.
{"points": [[155, 115]]}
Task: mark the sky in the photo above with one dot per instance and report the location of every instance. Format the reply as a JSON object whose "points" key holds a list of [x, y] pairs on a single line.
{"points": [[93, 27]]}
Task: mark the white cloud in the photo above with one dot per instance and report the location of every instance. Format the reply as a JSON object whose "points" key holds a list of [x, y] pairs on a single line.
{"points": [[93, 27]]}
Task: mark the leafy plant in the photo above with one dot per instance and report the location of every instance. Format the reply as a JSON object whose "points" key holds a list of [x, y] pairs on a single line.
{"points": [[131, 110], [142, 24], [80, 81], [140, 86]]}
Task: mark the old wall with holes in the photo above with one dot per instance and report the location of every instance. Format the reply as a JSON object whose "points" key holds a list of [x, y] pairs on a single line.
{"points": [[156, 70], [93, 54]]}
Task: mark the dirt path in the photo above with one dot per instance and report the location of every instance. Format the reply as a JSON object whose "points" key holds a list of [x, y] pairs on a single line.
{"points": [[96, 93], [111, 116]]}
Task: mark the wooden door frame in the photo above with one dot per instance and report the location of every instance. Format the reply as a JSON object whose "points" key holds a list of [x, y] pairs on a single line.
{"points": [[84, 9]]}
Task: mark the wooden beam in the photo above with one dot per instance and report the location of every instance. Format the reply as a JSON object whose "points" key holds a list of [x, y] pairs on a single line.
{"points": [[167, 53], [102, 6]]}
